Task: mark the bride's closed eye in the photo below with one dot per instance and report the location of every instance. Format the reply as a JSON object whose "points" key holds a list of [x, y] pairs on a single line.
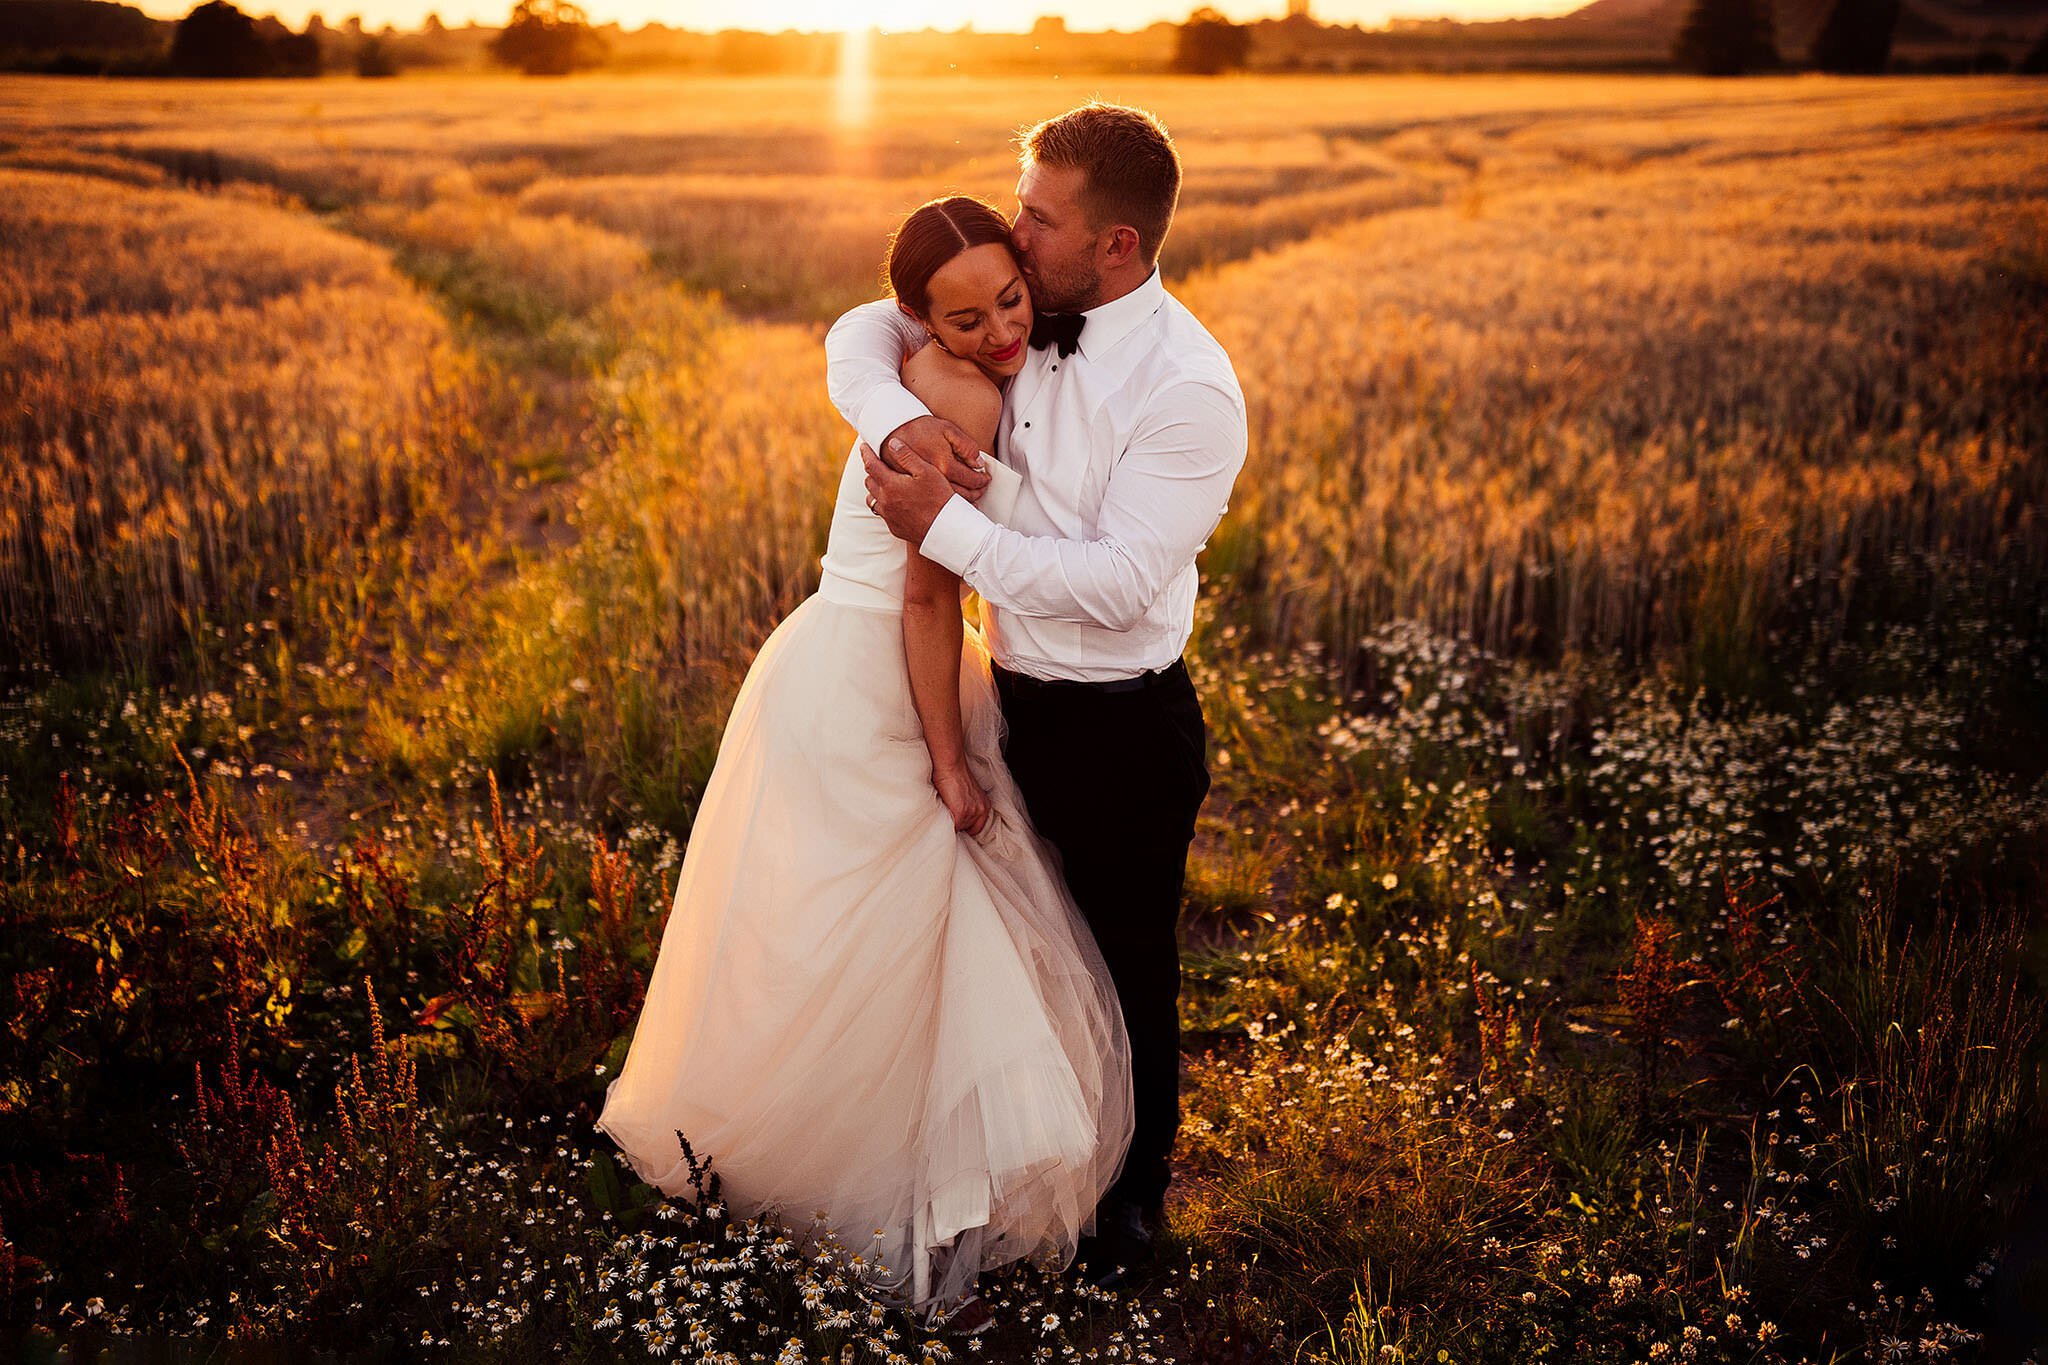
{"points": [[972, 325]]}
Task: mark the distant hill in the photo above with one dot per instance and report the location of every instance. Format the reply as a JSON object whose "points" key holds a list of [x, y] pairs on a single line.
{"points": [[1656, 18], [1971, 16], [1936, 34], [1656, 22], [80, 37], [1799, 21]]}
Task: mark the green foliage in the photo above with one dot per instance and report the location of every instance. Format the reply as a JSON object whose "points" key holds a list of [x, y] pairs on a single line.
{"points": [[1857, 37], [373, 59], [1209, 44], [216, 39], [1726, 38], [2035, 63], [548, 38]]}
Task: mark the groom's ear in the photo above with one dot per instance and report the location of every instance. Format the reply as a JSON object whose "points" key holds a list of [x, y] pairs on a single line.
{"points": [[1123, 246]]}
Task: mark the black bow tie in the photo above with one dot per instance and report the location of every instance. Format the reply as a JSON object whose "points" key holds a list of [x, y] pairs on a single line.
{"points": [[1064, 328]]}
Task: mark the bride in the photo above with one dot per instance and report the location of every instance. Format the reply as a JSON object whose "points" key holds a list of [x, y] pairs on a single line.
{"points": [[875, 999]]}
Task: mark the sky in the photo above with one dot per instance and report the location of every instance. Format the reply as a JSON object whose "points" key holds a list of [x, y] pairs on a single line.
{"points": [[988, 15]]}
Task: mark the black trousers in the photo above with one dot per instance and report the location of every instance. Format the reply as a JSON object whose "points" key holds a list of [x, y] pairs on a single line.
{"points": [[1113, 781]]}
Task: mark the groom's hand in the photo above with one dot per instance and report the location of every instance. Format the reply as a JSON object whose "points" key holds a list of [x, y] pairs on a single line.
{"points": [[908, 502], [942, 445]]}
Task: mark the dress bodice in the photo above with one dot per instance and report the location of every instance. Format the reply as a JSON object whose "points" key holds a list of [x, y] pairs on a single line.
{"points": [[864, 564]]}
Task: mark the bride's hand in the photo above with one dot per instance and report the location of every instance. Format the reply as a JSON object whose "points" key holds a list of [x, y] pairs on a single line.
{"points": [[965, 800]]}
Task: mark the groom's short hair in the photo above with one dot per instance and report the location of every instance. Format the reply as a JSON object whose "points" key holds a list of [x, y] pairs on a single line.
{"points": [[1131, 170]]}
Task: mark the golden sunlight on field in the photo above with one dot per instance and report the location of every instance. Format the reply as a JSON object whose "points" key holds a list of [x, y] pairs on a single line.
{"points": [[205, 394], [1477, 378]]}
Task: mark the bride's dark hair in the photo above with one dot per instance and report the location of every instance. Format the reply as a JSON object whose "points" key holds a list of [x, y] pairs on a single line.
{"points": [[934, 234]]}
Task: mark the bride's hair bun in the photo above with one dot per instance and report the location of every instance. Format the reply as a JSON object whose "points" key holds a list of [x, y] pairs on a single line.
{"points": [[934, 234]]}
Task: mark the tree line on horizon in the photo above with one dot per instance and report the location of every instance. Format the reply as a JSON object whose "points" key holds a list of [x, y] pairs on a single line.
{"points": [[1717, 38], [217, 39]]}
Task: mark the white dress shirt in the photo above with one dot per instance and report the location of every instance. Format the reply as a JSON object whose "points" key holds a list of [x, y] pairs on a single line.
{"points": [[1128, 448]]}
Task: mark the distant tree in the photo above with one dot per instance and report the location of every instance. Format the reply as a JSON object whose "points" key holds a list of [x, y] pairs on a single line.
{"points": [[2035, 63], [1209, 44], [216, 39], [548, 38], [1726, 38], [1857, 37], [373, 58], [296, 54]]}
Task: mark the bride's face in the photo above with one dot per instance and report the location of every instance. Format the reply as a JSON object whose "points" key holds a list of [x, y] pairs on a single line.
{"points": [[980, 310]]}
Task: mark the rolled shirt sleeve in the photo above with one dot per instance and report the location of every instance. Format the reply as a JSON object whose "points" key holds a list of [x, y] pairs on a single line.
{"points": [[864, 369], [1166, 494]]}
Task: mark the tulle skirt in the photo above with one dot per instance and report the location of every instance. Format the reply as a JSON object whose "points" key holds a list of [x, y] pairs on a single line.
{"points": [[860, 1013]]}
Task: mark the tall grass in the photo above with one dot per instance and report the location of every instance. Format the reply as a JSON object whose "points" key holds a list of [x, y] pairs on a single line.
{"points": [[1682, 408], [204, 398]]}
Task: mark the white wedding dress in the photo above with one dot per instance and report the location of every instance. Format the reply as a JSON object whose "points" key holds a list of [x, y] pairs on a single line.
{"points": [[858, 1011]]}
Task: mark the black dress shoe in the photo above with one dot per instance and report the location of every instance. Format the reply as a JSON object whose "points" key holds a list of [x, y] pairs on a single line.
{"points": [[1120, 1252]]}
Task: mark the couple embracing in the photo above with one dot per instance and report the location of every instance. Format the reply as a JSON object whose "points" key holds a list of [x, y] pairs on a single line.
{"points": [[921, 973]]}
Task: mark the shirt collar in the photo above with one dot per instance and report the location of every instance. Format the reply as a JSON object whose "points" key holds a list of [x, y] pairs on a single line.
{"points": [[1111, 322]]}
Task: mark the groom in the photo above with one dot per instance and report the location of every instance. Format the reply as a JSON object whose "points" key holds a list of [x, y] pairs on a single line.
{"points": [[1129, 426]]}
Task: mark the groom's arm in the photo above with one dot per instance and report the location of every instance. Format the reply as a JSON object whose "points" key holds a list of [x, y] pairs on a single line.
{"points": [[864, 369], [864, 353], [1163, 499]]}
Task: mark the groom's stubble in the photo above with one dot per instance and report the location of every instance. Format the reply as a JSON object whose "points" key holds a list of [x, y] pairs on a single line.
{"points": [[1054, 290]]}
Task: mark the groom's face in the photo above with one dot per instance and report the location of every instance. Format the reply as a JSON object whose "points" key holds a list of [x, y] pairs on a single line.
{"points": [[1056, 241]]}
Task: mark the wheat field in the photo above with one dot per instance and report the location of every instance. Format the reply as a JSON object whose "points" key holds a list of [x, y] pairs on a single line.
{"points": [[1616, 929]]}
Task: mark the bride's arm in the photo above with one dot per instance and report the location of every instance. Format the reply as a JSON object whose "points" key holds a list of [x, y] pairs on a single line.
{"points": [[958, 391]]}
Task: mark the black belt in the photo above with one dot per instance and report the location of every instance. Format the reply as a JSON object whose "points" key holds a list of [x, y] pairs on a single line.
{"points": [[1158, 677]]}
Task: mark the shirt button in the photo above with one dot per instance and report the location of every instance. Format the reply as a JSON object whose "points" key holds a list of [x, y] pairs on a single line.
{"points": [[1027, 426]]}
